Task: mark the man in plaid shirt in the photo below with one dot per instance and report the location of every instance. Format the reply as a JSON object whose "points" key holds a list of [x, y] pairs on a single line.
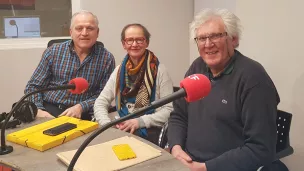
{"points": [[82, 56]]}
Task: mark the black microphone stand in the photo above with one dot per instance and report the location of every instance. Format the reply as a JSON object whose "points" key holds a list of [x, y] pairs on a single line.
{"points": [[2, 116], [6, 149], [180, 93]]}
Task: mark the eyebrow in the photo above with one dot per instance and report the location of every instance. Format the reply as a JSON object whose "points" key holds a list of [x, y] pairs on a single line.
{"points": [[207, 34], [135, 38], [82, 26]]}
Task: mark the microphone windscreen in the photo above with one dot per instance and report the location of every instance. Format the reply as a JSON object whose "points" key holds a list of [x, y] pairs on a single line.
{"points": [[81, 85], [196, 86]]}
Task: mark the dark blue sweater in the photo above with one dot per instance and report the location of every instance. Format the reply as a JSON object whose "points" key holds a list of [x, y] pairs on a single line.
{"points": [[234, 127]]}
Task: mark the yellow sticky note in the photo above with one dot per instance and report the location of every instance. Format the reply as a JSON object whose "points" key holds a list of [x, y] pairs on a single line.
{"points": [[123, 151]]}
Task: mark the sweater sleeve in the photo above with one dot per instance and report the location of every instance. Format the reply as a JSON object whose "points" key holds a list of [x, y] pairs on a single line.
{"points": [[165, 87], [178, 124], [259, 108], [178, 121], [104, 100]]}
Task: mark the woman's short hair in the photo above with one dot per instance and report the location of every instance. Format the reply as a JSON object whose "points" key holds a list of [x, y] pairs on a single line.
{"points": [[145, 30]]}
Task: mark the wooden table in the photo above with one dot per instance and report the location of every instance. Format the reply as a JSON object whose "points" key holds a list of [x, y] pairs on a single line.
{"points": [[31, 160]]}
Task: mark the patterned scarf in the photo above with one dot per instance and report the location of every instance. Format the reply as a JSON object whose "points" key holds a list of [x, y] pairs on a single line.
{"points": [[142, 91]]}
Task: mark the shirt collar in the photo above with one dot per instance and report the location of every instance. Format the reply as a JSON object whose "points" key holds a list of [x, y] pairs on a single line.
{"points": [[227, 70]]}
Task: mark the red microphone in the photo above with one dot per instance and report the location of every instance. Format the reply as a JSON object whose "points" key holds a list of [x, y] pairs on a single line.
{"points": [[80, 85], [196, 86]]}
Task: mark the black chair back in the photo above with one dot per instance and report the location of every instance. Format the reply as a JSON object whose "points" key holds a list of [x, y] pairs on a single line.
{"points": [[54, 41], [163, 139], [51, 42], [283, 128], [283, 147]]}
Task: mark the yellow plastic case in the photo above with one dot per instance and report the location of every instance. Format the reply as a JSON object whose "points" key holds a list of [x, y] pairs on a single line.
{"points": [[123, 151], [33, 137]]}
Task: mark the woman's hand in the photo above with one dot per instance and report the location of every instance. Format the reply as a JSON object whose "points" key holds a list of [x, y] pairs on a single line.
{"points": [[131, 125]]}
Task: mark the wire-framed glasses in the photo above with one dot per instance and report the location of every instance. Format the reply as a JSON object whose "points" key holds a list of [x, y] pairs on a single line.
{"points": [[215, 37]]}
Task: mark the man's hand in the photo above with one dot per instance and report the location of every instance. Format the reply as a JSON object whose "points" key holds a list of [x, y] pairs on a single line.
{"points": [[131, 125], [74, 111], [42, 114], [196, 166], [182, 156]]}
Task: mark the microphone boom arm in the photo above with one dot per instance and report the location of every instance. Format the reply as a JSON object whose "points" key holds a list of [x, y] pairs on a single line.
{"points": [[8, 149], [180, 93]]}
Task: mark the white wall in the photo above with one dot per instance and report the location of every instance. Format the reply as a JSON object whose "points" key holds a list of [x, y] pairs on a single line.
{"points": [[272, 35], [16, 68], [228, 4], [167, 22]]}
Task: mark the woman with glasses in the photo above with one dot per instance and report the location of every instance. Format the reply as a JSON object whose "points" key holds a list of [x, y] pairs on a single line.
{"points": [[138, 81]]}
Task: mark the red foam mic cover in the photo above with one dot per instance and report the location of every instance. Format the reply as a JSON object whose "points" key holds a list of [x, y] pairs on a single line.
{"points": [[81, 85], [196, 86]]}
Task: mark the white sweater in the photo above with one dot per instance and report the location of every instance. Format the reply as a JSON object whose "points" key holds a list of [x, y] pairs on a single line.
{"points": [[164, 87]]}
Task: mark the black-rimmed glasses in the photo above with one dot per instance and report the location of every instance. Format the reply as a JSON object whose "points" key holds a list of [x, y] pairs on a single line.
{"points": [[139, 40]]}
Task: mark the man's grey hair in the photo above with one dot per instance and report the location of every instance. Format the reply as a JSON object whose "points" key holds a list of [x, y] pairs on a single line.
{"points": [[231, 22], [83, 12]]}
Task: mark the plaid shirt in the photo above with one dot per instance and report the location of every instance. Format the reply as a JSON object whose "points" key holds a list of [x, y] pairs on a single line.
{"points": [[60, 64]]}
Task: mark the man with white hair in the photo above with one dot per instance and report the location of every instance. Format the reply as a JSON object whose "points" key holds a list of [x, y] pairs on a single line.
{"points": [[234, 127], [83, 57]]}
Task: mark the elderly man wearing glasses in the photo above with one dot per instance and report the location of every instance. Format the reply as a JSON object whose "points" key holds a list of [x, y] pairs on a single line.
{"points": [[137, 82], [234, 127]]}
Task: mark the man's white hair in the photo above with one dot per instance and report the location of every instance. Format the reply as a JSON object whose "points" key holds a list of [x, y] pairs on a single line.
{"points": [[232, 22], [83, 12]]}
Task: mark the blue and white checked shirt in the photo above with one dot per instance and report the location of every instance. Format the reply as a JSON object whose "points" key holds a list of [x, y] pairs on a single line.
{"points": [[60, 64]]}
